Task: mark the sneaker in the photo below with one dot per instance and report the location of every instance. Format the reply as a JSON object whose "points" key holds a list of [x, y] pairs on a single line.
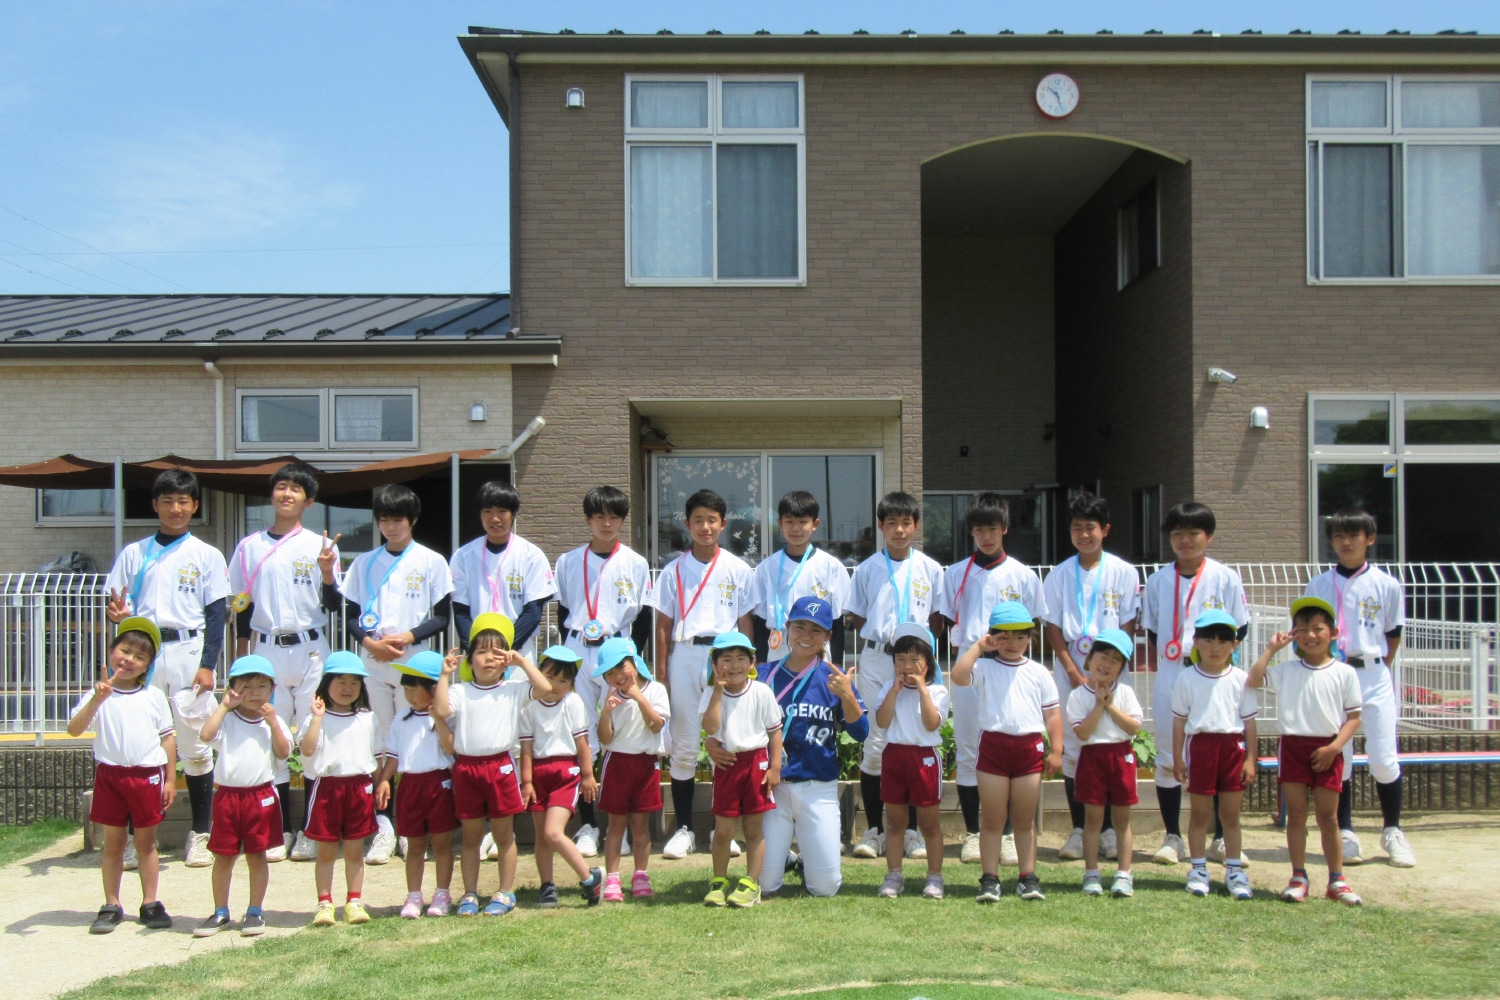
{"points": [[382, 845], [1008, 856], [914, 846], [213, 925], [401, 847], [989, 889], [195, 851], [1244, 858], [792, 860], [612, 892], [1124, 886], [624, 843], [412, 909], [155, 917], [304, 849], [132, 860], [682, 843], [1296, 890], [487, 849], [734, 846], [110, 916], [1197, 882], [590, 886], [1092, 886], [500, 904], [278, 853], [1237, 883], [1171, 851], [355, 912], [468, 905], [325, 915], [745, 895], [933, 887], [442, 903], [1109, 844], [546, 896], [969, 852], [1339, 892], [716, 889], [1215, 852], [640, 886], [893, 884], [1072, 848], [1030, 887], [1353, 851], [1396, 847], [254, 925], [871, 845], [587, 839]]}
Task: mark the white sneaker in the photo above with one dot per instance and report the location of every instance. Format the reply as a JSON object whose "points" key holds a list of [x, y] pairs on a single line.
{"points": [[487, 849], [276, 854], [734, 845], [871, 845], [1109, 844], [1215, 851], [401, 846], [914, 846], [196, 854], [1171, 851], [382, 845], [624, 843], [587, 839], [1008, 856], [969, 853], [132, 859], [1400, 852], [682, 844], [1354, 853], [1072, 848], [305, 849]]}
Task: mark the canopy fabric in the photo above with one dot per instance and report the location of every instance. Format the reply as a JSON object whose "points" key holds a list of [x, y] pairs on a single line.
{"points": [[66, 472]]}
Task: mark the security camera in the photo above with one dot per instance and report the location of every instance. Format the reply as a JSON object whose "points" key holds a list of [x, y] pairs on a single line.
{"points": [[1222, 376]]}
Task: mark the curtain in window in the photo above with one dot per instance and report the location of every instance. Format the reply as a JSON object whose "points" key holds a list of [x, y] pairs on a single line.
{"points": [[1462, 104], [1348, 104], [1453, 221], [757, 211], [760, 105], [1357, 211], [358, 418], [669, 105], [671, 201]]}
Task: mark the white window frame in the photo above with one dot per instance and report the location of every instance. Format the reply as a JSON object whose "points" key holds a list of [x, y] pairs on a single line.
{"points": [[200, 519], [325, 444], [1394, 133], [715, 136]]}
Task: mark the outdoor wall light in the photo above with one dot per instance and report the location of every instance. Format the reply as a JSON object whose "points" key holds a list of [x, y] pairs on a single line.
{"points": [[478, 412], [1222, 376], [575, 97], [1260, 418]]}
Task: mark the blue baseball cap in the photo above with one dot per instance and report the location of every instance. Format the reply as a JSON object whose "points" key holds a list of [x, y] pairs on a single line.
{"points": [[428, 665], [252, 664], [613, 652], [1117, 640], [1011, 616], [344, 662], [562, 654], [916, 630], [810, 609]]}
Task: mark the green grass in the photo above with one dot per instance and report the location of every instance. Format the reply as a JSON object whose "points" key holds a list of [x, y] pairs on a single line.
{"points": [[17, 842], [1162, 940]]}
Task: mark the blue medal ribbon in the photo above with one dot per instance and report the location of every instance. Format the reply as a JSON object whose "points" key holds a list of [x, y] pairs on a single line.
{"points": [[780, 594], [140, 575], [903, 597], [374, 594], [1088, 627]]}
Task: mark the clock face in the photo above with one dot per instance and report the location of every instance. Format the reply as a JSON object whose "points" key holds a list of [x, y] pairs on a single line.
{"points": [[1057, 95]]}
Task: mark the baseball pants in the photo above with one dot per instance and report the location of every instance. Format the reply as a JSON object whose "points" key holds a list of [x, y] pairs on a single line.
{"points": [[176, 666], [687, 674], [876, 670], [808, 811], [383, 687], [589, 687], [1071, 745], [298, 670], [1161, 722], [1377, 721]]}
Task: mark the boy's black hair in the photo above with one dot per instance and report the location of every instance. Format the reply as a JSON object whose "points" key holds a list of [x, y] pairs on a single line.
{"points": [[1224, 633], [898, 504], [798, 503], [361, 704], [911, 644], [177, 481], [609, 500], [1087, 507], [708, 500], [566, 668], [987, 509], [396, 501], [1351, 521], [1307, 614], [498, 493], [1190, 515], [298, 474]]}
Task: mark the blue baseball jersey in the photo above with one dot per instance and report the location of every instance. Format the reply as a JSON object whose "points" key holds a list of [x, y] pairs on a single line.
{"points": [[812, 717]]}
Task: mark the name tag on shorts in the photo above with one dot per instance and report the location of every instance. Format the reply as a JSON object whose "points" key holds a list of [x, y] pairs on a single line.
{"points": [[765, 765], [1241, 744], [506, 768], [448, 784], [1041, 748], [369, 789], [1130, 758], [572, 771], [155, 779], [268, 801], [928, 761]]}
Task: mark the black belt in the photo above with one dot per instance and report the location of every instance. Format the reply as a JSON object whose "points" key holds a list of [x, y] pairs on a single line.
{"points": [[872, 646], [702, 640], [1359, 661], [573, 633], [178, 635], [288, 639]]}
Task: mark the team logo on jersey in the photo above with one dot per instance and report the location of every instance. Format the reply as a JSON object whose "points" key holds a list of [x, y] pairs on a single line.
{"points": [[1369, 611], [414, 582], [303, 570], [1212, 603], [624, 590], [1112, 601], [727, 589], [821, 591], [1009, 593], [921, 590], [187, 579], [516, 582]]}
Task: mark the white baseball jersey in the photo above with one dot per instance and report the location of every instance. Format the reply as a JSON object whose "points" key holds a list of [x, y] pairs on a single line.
{"points": [[415, 579], [631, 734], [780, 580], [245, 758], [347, 745], [554, 727], [180, 580], [1215, 587], [1369, 605], [748, 718], [486, 719], [1085, 602], [918, 584], [906, 725], [700, 602], [1315, 701], [288, 587], [1081, 703], [413, 741], [129, 727], [1214, 703], [619, 586], [1013, 696], [968, 602], [503, 582]]}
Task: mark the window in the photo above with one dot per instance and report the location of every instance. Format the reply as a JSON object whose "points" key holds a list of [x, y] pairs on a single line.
{"points": [[1138, 229], [1403, 179], [1145, 523], [362, 419], [97, 507], [356, 525], [946, 537], [714, 180]]}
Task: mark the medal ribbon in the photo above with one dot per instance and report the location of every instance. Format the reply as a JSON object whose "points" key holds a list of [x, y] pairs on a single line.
{"points": [[903, 597], [158, 551], [593, 608], [1177, 604], [374, 594], [782, 595], [493, 580], [805, 676], [682, 611], [1338, 607], [1088, 627], [251, 577]]}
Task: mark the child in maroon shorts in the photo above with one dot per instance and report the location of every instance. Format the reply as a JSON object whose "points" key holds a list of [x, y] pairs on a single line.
{"points": [[632, 720], [556, 767], [249, 738], [134, 781], [1320, 701]]}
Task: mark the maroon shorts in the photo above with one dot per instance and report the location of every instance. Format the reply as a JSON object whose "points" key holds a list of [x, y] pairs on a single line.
{"points": [[247, 819], [1010, 756], [124, 795], [486, 787], [739, 788], [629, 783], [1106, 775], [554, 782], [1295, 760], [911, 775], [424, 804], [1215, 763], [341, 808]]}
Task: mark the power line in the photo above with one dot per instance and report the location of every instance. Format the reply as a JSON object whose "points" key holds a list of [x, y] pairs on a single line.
{"points": [[70, 267], [49, 277], [397, 246], [93, 248]]}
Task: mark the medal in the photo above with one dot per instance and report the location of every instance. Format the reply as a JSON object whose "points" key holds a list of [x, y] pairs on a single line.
{"points": [[369, 621], [775, 641], [241, 603], [1173, 649], [782, 596], [1083, 644], [593, 631]]}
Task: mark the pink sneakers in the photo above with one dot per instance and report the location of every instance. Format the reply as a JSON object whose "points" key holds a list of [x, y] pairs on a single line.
{"points": [[442, 904], [612, 893], [413, 908], [640, 886]]}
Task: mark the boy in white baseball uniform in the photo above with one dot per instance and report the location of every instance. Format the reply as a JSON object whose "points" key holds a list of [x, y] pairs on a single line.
{"points": [[1087, 594], [398, 597], [1176, 595], [1370, 612], [500, 572], [971, 589], [601, 589], [799, 569], [280, 615], [897, 585], [702, 594], [179, 582]]}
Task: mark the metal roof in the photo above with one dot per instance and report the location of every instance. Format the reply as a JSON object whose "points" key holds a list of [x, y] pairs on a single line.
{"points": [[211, 326]]}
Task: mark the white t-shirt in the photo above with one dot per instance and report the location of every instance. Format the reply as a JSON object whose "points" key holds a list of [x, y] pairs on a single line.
{"points": [[1013, 696], [1218, 589], [1315, 701], [873, 598], [129, 727], [182, 579], [502, 582], [244, 755], [288, 589], [722, 597], [779, 583], [749, 718], [1008, 580], [486, 719], [418, 581], [906, 725], [631, 734], [1214, 703], [1373, 605], [618, 586], [1081, 702], [1111, 590], [413, 741], [347, 745], [553, 728]]}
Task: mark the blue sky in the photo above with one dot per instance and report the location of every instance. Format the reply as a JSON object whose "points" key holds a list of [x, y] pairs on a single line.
{"points": [[200, 146]]}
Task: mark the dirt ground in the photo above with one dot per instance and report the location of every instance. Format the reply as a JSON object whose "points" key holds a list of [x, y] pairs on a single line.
{"points": [[48, 900]]}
